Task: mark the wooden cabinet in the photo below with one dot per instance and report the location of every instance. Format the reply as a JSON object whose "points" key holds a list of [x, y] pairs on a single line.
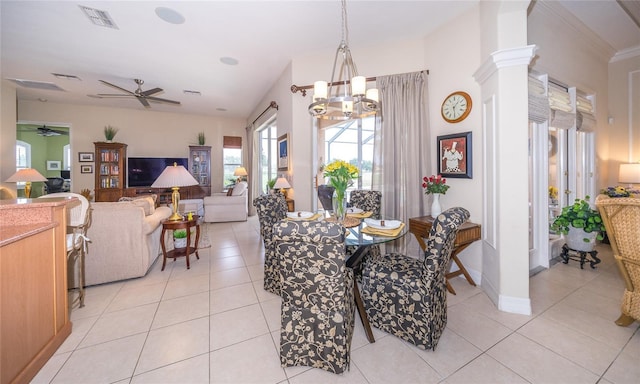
{"points": [[200, 167], [33, 285], [110, 171], [164, 194]]}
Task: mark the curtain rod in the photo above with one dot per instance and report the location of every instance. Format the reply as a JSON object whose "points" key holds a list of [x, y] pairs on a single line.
{"points": [[272, 104], [303, 88]]}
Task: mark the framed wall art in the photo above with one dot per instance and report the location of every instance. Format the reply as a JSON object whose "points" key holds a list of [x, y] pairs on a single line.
{"points": [[86, 168], [53, 165], [84, 157], [455, 155], [283, 152]]}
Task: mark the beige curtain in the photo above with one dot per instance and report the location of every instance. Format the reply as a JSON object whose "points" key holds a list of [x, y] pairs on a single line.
{"points": [[402, 153], [252, 164]]}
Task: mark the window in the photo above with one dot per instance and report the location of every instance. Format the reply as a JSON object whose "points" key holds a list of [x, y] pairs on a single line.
{"points": [[231, 158], [268, 160], [23, 158], [66, 157], [352, 141]]}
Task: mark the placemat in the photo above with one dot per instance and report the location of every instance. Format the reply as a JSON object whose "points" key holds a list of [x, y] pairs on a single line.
{"points": [[383, 232], [348, 222], [361, 215]]}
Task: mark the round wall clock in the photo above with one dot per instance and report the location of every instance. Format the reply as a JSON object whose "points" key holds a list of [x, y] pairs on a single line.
{"points": [[456, 107]]}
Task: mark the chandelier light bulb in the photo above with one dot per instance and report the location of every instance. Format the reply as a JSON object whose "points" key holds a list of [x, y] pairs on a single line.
{"points": [[319, 90], [372, 94], [358, 86]]}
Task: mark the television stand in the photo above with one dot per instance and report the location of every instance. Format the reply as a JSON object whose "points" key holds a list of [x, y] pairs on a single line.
{"points": [[164, 194]]}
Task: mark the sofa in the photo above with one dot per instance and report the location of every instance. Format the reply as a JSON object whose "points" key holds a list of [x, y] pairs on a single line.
{"points": [[124, 239], [231, 206]]}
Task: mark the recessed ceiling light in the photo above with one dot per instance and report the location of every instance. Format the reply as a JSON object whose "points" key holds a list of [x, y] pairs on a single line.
{"points": [[66, 77], [192, 93], [229, 60], [169, 15], [98, 17], [42, 99]]}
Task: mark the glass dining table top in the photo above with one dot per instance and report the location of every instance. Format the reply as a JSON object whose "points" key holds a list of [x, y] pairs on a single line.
{"points": [[356, 237]]}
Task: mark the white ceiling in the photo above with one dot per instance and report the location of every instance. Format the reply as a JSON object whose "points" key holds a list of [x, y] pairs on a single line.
{"points": [[45, 37]]}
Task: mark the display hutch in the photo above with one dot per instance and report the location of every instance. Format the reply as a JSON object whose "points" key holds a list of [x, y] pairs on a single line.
{"points": [[200, 168], [111, 170]]}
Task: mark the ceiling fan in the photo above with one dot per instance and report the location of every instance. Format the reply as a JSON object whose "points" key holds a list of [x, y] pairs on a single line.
{"points": [[144, 97], [45, 131]]}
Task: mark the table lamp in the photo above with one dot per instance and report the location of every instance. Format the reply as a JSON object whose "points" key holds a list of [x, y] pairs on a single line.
{"points": [[282, 184], [174, 176], [629, 174], [26, 175], [240, 172]]}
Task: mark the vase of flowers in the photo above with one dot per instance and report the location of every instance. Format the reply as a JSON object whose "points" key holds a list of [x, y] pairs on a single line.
{"points": [[618, 191], [436, 186], [341, 175]]}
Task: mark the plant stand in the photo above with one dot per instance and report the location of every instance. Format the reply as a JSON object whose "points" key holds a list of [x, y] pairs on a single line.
{"points": [[581, 256]]}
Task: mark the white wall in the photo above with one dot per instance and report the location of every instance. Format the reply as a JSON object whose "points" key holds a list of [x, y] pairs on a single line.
{"points": [[7, 138], [146, 132]]}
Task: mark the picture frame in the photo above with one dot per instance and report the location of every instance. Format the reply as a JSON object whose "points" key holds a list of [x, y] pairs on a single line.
{"points": [[54, 165], [85, 157], [455, 156], [283, 152], [85, 168]]}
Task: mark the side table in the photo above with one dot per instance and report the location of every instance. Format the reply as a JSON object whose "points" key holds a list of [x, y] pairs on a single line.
{"points": [[180, 252], [467, 234]]}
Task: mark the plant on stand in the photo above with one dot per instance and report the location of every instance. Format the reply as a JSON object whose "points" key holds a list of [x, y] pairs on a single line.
{"points": [[341, 175], [436, 186], [581, 224], [110, 133], [180, 238]]}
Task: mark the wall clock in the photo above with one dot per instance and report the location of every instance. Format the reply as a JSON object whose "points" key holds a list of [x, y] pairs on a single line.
{"points": [[456, 107]]}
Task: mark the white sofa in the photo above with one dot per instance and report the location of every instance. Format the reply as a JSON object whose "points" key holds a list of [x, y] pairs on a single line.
{"points": [[125, 240], [219, 207]]}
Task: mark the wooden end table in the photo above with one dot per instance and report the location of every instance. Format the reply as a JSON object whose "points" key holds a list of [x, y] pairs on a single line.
{"points": [[467, 234], [180, 252]]}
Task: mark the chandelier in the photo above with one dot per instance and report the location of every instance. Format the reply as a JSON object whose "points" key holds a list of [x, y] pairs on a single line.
{"points": [[346, 96]]}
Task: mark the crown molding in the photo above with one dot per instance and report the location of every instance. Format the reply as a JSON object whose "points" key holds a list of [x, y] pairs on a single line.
{"points": [[504, 58], [626, 54]]}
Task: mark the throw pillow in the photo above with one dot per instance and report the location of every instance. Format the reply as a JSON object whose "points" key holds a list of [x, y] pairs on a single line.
{"points": [[147, 202], [239, 189]]}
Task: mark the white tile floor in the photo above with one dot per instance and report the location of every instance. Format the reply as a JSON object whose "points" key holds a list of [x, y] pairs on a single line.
{"points": [[215, 324]]}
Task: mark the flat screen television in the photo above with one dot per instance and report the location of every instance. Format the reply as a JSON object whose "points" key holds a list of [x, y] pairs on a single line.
{"points": [[143, 171]]}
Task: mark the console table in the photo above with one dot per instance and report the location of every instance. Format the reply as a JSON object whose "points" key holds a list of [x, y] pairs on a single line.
{"points": [[467, 234], [180, 252]]}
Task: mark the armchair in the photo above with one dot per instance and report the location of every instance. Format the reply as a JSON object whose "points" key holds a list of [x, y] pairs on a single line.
{"points": [[621, 216], [220, 207]]}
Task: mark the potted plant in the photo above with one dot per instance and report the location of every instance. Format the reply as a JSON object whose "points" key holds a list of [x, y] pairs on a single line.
{"points": [[581, 224], [180, 238], [201, 138], [110, 133], [270, 185]]}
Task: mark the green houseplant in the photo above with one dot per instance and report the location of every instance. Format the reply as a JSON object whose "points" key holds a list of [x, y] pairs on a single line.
{"points": [[180, 238], [201, 138], [580, 216], [270, 184], [110, 132]]}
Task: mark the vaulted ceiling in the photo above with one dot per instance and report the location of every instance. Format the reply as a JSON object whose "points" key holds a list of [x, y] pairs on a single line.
{"points": [[183, 46]]}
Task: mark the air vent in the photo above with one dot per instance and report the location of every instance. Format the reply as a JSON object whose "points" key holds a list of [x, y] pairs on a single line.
{"points": [[99, 17], [66, 77], [37, 85], [192, 93]]}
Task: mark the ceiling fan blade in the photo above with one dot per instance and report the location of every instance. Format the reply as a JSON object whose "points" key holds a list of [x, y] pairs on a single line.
{"points": [[159, 100], [113, 95], [144, 101], [151, 92], [116, 87]]}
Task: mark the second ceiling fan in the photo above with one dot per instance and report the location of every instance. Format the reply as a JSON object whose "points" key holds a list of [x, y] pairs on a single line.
{"points": [[144, 97]]}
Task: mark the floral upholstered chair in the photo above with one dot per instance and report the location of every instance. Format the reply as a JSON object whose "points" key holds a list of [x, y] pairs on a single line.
{"points": [[271, 209], [318, 307], [621, 216], [368, 201], [407, 297]]}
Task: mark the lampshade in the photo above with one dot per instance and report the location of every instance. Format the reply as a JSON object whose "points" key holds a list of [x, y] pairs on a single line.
{"points": [[240, 171], [27, 174], [174, 176], [629, 173], [281, 183]]}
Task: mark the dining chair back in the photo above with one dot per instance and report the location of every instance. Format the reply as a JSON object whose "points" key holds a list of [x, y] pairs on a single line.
{"points": [[368, 201], [407, 297], [621, 217], [325, 195], [79, 223], [271, 208], [318, 306]]}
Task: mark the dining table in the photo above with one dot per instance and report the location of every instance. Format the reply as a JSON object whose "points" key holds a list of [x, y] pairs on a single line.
{"points": [[362, 236]]}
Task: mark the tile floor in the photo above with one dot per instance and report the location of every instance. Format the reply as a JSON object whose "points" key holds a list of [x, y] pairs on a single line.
{"points": [[215, 324]]}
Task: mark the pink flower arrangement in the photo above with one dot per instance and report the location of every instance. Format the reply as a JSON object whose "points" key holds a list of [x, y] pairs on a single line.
{"points": [[434, 184]]}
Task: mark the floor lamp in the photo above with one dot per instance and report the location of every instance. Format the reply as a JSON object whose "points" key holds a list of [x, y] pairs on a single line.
{"points": [[174, 177]]}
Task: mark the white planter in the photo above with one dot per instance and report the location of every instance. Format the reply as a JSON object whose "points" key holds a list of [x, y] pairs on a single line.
{"points": [[575, 240], [180, 243]]}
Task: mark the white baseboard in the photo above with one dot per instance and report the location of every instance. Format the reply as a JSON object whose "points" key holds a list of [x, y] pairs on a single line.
{"points": [[517, 305]]}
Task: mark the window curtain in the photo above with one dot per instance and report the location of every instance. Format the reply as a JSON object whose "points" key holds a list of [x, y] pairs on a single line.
{"points": [[538, 101], [562, 116], [252, 165], [402, 153], [585, 118]]}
